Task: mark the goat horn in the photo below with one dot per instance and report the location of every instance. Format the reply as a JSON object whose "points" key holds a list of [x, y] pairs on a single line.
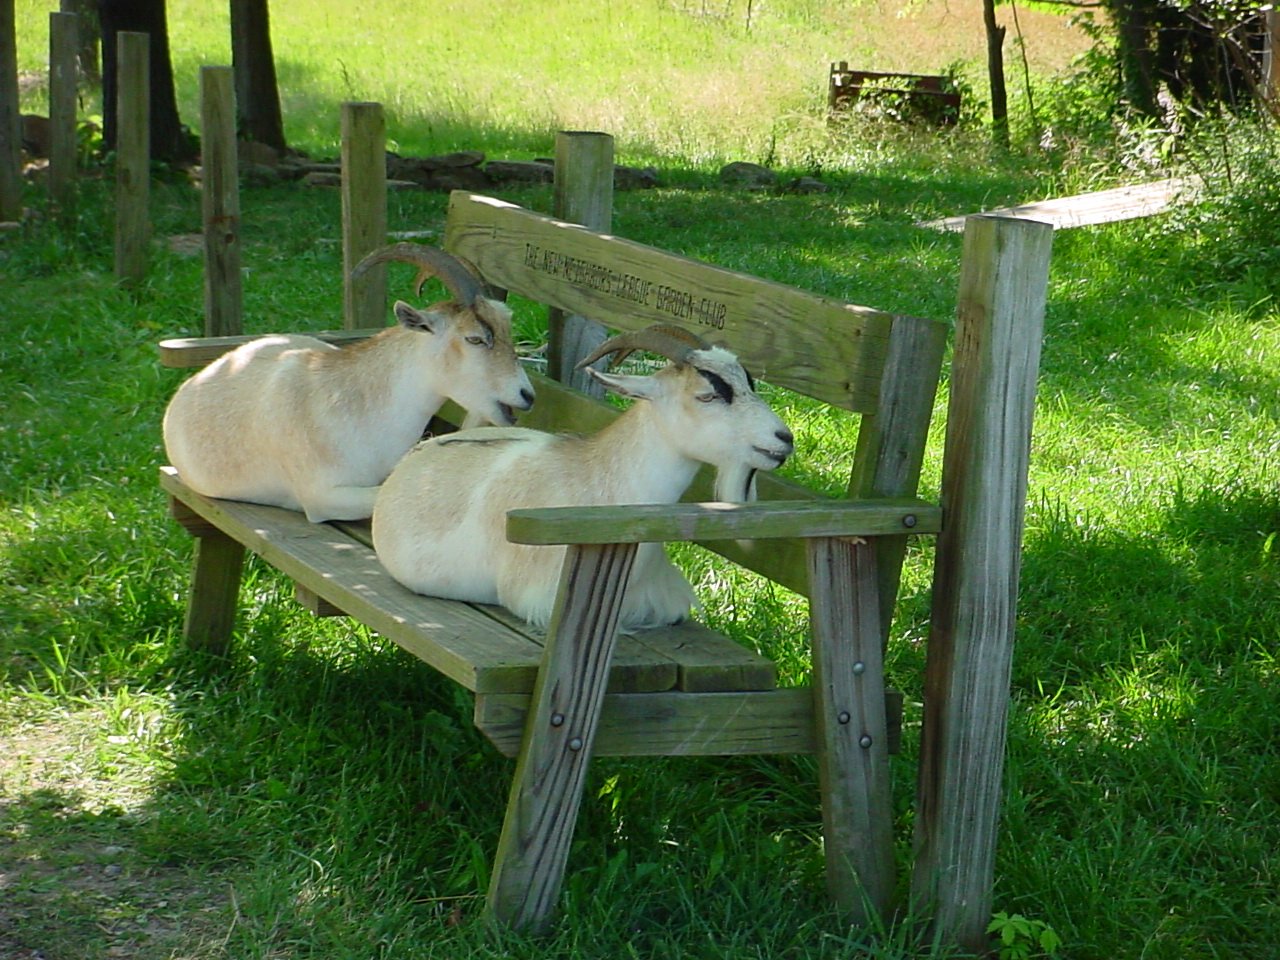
{"points": [[456, 274], [663, 339]]}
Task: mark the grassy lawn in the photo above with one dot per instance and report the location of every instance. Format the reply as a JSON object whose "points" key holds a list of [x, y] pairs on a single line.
{"points": [[325, 795]]}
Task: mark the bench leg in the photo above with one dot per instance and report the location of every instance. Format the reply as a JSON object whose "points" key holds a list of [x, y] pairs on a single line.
{"points": [[559, 734], [215, 587], [852, 736]]}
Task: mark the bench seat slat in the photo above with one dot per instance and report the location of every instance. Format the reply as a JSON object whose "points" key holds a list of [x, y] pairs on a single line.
{"points": [[685, 656], [484, 648], [466, 645]]}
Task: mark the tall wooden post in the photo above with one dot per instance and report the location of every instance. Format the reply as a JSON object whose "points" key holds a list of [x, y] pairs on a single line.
{"points": [[64, 49], [220, 203], [999, 326], [364, 212], [584, 195], [10, 121], [133, 156]]}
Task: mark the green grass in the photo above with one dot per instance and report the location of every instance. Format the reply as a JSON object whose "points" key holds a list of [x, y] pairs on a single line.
{"points": [[325, 795]]}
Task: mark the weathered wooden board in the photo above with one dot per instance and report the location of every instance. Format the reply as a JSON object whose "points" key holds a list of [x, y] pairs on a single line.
{"points": [[685, 656], [551, 769], [823, 348], [999, 330], [481, 647], [1089, 209], [659, 522], [849, 713], [706, 660], [466, 644], [686, 724]]}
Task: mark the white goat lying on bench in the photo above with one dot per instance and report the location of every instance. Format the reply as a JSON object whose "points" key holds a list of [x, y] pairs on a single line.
{"points": [[294, 422], [439, 523]]}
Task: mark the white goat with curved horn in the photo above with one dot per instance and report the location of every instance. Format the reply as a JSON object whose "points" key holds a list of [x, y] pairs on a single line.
{"points": [[439, 523], [295, 422]]}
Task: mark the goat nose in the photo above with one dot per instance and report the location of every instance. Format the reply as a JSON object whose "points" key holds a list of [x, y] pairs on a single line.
{"points": [[786, 437], [527, 396]]}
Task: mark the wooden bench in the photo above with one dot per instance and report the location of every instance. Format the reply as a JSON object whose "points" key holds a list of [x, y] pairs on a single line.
{"points": [[555, 700], [931, 97]]}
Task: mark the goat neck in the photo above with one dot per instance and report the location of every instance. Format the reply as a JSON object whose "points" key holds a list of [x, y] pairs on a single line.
{"points": [[639, 460], [366, 386]]}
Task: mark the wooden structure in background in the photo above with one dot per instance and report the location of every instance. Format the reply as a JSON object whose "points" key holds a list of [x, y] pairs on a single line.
{"points": [[581, 690], [10, 119], [133, 158], [364, 212], [927, 97], [64, 51], [220, 203]]}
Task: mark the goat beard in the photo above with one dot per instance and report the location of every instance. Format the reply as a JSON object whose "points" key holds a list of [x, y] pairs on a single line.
{"points": [[736, 484]]}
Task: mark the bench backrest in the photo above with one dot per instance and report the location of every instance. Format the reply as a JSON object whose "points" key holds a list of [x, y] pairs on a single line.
{"points": [[880, 365]]}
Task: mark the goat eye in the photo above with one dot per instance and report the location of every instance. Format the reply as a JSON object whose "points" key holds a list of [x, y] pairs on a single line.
{"points": [[476, 341], [706, 397]]}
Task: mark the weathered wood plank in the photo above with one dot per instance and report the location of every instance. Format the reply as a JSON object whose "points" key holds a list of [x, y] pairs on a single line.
{"points": [[852, 738], [638, 666], [999, 326], [655, 522], [364, 213], [753, 722], [465, 644], [705, 660], [220, 203], [482, 647], [891, 442], [583, 194], [133, 157], [10, 117], [1090, 209], [215, 590], [826, 349], [64, 44], [547, 790]]}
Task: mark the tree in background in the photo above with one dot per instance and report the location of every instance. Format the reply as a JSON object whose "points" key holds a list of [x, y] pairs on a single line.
{"points": [[86, 12], [257, 92], [995, 74], [171, 142], [1202, 52]]}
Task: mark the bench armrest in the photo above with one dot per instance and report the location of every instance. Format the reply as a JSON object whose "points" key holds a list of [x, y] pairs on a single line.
{"points": [[772, 519]]}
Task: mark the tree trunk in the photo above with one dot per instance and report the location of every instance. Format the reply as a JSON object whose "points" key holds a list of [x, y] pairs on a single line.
{"points": [[257, 92], [995, 72], [170, 141], [1134, 54], [87, 31]]}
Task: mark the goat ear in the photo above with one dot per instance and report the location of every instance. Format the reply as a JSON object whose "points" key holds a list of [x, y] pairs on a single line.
{"points": [[644, 388], [423, 321]]}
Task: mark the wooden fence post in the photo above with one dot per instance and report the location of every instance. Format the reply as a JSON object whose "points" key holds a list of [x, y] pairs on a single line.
{"points": [[364, 212], [999, 327], [10, 122], [133, 156], [220, 203], [584, 195], [64, 48]]}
